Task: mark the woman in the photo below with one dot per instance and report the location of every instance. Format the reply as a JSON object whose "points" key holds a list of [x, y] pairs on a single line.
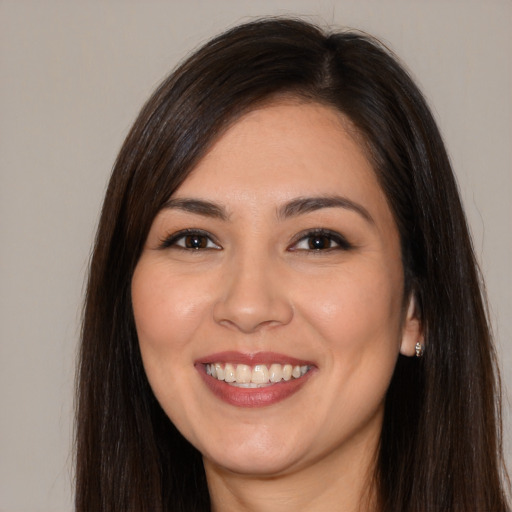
{"points": [[284, 309]]}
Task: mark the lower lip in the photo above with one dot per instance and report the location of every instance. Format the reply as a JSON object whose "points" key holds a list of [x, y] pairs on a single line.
{"points": [[253, 397]]}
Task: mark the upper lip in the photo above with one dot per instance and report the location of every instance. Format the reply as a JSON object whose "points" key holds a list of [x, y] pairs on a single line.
{"points": [[251, 359]]}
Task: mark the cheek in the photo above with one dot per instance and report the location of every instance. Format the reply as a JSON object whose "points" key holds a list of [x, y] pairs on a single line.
{"points": [[358, 319], [355, 310], [166, 309], [357, 315]]}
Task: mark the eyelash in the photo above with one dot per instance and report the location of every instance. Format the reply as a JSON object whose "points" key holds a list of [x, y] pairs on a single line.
{"points": [[172, 240], [319, 233]]}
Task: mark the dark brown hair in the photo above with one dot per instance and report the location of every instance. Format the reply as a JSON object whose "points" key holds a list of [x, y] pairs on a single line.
{"points": [[440, 447]]}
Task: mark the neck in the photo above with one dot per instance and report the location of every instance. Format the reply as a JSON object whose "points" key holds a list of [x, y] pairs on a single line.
{"points": [[343, 480]]}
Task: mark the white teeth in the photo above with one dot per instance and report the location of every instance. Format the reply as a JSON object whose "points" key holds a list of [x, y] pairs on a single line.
{"points": [[259, 375], [287, 371], [229, 373], [276, 372], [243, 374], [218, 370]]}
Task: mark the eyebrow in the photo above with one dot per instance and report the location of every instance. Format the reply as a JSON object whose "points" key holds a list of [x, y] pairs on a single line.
{"points": [[303, 205], [293, 208], [197, 206]]}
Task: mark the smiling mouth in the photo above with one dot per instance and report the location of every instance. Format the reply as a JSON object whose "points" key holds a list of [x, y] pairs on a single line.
{"points": [[253, 380], [255, 376]]}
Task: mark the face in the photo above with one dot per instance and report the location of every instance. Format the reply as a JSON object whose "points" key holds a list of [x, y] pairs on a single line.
{"points": [[268, 299]]}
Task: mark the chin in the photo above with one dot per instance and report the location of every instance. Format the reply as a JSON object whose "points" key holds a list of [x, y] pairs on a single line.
{"points": [[253, 464], [254, 455]]}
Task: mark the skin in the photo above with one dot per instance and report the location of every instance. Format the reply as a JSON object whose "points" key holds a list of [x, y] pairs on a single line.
{"points": [[257, 286]]}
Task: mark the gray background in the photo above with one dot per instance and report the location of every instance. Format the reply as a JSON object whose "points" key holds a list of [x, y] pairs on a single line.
{"points": [[73, 75]]}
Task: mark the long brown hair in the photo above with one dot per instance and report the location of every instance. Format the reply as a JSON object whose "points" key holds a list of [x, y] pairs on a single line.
{"points": [[440, 447]]}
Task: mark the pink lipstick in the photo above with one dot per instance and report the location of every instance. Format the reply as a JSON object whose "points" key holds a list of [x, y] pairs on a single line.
{"points": [[253, 380]]}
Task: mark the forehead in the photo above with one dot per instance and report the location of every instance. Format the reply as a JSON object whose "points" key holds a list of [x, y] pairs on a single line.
{"points": [[285, 149]]}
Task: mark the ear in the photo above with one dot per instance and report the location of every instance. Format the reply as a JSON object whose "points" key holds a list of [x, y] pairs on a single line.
{"points": [[412, 330]]}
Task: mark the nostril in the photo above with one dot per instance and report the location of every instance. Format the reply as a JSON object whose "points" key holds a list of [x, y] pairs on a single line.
{"points": [[247, 325], [250, 314]]}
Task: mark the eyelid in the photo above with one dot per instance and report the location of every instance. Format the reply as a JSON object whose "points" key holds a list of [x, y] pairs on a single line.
{"points": [[170, 240], [342, 243], [338, 238]]}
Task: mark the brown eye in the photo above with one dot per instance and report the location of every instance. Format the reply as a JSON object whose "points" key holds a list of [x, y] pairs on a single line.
{"points": [[195, 241], [319, 242]]}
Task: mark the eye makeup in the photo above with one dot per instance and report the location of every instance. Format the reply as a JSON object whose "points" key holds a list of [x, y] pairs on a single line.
{"points": [[314, 240], [320, 240], [190, 239]]}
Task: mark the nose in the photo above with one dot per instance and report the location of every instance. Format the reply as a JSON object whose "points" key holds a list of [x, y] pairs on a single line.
{"points": [[253, 296]]}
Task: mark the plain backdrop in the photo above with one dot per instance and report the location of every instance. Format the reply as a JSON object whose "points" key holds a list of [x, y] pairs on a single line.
{"points": [[73, 75]]}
